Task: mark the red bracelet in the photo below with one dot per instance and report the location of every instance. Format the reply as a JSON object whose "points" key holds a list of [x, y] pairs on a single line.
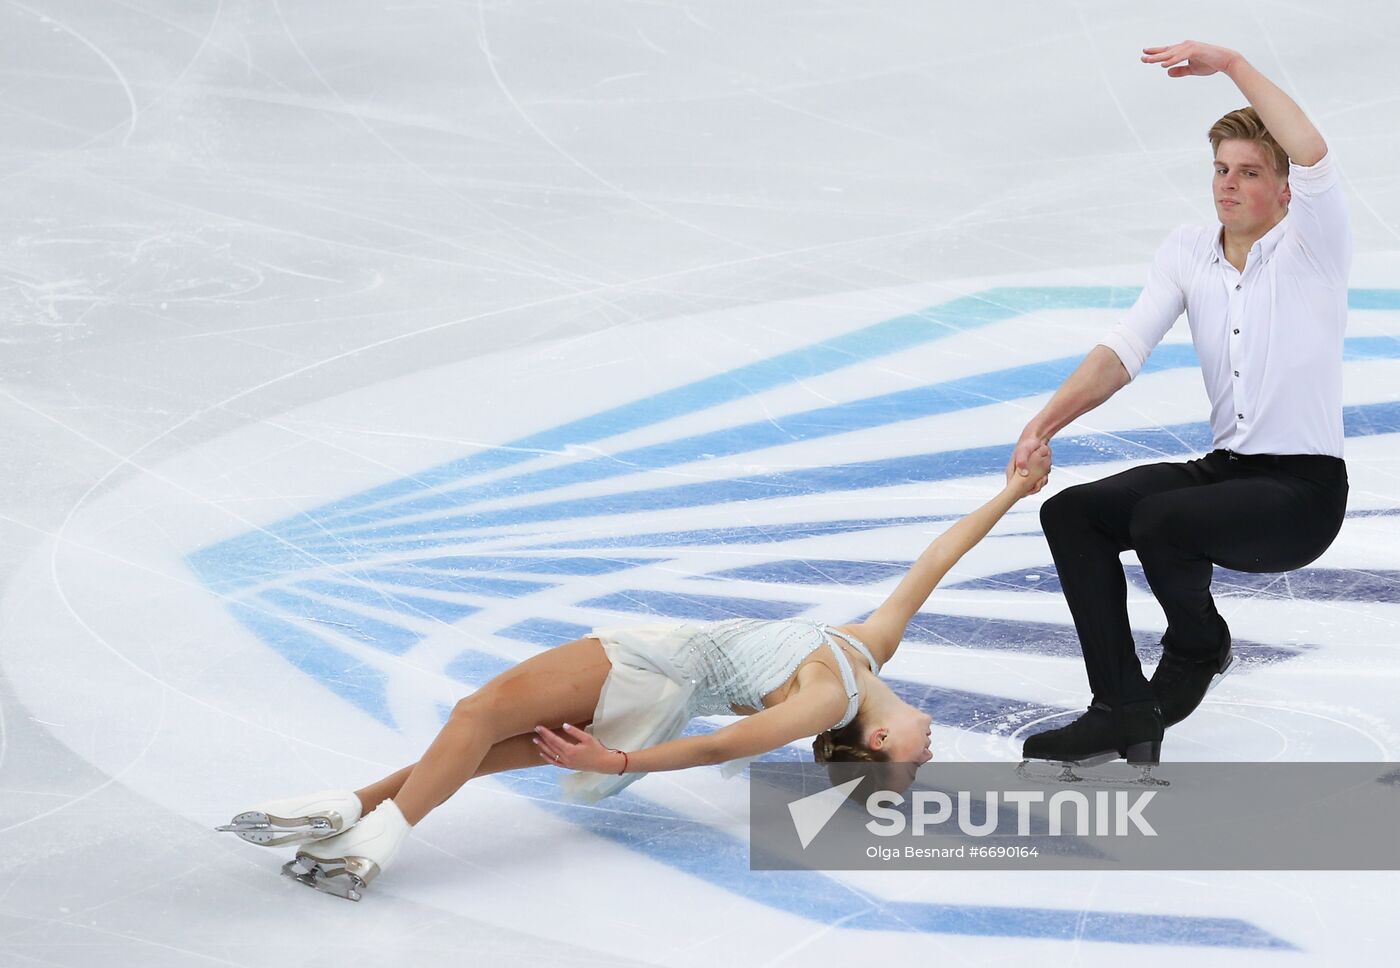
{"points": [[624, 762]]}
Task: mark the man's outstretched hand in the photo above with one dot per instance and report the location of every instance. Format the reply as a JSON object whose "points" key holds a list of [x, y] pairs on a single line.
{"points": [[1037, 472], [1024, 457], [1190, 58]]}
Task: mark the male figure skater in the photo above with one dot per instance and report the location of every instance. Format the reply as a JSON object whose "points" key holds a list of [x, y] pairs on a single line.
{"points": [[1265, 293]]}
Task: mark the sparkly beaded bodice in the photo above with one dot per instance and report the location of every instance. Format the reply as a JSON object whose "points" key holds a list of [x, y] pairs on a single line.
{"points": [[739, 661]]}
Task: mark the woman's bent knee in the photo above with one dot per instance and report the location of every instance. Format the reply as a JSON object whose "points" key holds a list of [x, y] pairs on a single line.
{"points": [[465, 711], [473, 714]]}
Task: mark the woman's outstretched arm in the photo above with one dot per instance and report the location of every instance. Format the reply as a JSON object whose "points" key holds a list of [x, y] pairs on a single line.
{"points": [[818, 705], [884, 629]]}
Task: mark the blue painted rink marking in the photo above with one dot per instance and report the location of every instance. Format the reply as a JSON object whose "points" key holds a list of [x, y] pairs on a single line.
{"points": [[237, 563], [695, 607], [1313, 584], [454, 582], [812, 571], [980, 390], [571, 565], [727, 535], [363, 686], [544, 632], [290, 545], [370, 596], [869, 342], [1048, 639], [394, 639], [297, 555], [710, 854], [744, 534], [1154, 443]]}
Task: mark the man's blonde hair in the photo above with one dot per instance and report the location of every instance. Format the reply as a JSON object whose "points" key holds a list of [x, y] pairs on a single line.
{"points": [[1244, 125]]}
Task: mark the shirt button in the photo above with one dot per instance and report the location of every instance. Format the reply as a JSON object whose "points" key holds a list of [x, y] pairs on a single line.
{"points": [[1240, 415], [1237, 286], [1237, 332], [1237, 373]]}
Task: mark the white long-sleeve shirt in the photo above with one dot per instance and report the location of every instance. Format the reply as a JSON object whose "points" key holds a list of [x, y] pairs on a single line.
{"points": [[1269, 339]]}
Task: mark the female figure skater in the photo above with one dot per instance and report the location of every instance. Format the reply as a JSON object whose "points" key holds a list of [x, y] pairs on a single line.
{"points": [[612, 706]]}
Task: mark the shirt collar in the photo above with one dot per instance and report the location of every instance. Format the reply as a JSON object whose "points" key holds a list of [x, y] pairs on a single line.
{"points": [[1265, 245]]}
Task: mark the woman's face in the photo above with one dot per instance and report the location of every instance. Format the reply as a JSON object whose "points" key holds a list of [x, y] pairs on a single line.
{"points": [[909, 735]]}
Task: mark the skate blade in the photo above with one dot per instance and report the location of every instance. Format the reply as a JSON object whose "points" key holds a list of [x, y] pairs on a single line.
{"points": [[1230, 667], [1044, 771], [265, 830], [337, 881], [1098, 770]]}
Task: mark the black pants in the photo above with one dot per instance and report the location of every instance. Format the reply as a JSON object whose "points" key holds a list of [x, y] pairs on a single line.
{"points": [[1258, 513]]}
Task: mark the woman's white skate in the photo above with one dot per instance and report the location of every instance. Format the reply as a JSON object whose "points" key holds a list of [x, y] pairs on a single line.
{"points": [[344, 865], [297, 820]]}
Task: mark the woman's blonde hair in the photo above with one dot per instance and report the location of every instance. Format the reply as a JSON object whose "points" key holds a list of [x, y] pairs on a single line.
{"points": [[1245, 125]]}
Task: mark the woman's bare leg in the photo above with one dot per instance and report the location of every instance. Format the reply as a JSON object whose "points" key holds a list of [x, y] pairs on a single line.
{"points": [[516, 753], [554, 687], [381, 790]]}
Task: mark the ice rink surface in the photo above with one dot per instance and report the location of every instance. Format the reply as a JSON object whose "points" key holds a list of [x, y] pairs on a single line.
{"points": [[350, 352]]}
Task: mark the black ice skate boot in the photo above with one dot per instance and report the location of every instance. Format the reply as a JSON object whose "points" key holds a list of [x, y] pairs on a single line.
{"points": [[1180, 683], [1132, 731]]}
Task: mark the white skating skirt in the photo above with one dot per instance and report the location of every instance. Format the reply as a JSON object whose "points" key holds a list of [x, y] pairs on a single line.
{"points": [[646, 700]]}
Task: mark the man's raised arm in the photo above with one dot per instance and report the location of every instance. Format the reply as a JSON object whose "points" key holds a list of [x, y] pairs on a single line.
{"points": [[1286, 121]]}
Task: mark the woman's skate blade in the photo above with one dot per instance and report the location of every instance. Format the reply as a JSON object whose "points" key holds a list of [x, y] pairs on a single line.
{"points": [[346, 864], [338, 881], [296, 820], [266, 830]]}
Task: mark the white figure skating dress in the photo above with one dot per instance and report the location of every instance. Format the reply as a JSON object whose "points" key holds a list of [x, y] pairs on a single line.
{"points": [[663, 676]]}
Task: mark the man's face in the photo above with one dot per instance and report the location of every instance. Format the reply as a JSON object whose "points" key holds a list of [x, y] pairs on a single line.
{"points": [[1250, 197]]}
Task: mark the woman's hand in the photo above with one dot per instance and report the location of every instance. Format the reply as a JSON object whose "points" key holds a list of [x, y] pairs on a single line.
{"points": [[1191, 58], [1021, 459], [585, 753], [1037, 472]]}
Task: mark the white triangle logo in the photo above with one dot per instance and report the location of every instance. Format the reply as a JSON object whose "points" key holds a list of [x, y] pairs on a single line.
{"points": [[811, 814]]}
